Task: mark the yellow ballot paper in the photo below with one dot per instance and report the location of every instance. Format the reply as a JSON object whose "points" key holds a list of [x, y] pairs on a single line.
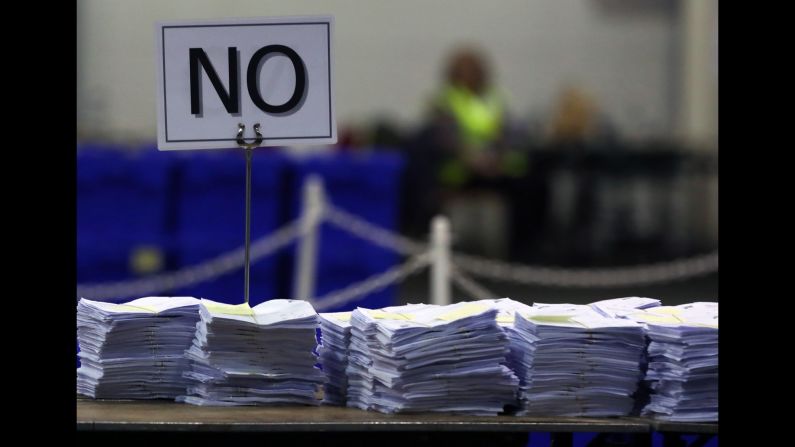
{"points": [[505, 318], [653, 318], [552, 318], [339, 316], [664, 310], [381, 315], [130, 308], [229, 309], [464, 311]]}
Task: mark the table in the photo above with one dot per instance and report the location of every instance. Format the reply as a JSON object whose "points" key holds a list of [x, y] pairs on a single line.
{"points": [[97, 416]]}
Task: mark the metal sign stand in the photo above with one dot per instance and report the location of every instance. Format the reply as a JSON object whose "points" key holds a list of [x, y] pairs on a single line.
{"points": [[249, 149]]}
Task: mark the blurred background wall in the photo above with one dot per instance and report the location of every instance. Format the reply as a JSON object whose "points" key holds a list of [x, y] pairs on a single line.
{"points": [[651, 64]]}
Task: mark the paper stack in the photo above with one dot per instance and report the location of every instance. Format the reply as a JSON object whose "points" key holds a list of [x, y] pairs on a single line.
{"points": [[683, 362], [521, 349], [622, 307], [248, 356], [134, 350], [360, 380], [584, 364], [335, 330], [434, 358], [625, 308]]}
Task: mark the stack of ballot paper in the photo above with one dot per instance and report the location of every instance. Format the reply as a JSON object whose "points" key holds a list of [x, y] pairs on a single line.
{"points": [[430, 358], [335, 335], [245, 355], [624, 308], [135, 350], [683, 362], [621, 307], [583, 364], [521, 349], [359, 360]]}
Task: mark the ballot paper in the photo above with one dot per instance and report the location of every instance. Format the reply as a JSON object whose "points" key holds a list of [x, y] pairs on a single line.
{"points": [[135, 350], [683, 361], [243, 355], [335, 330], [623, 308], [620, 307], [521, 350], [506, 309], [429, 359], [577, 362]]}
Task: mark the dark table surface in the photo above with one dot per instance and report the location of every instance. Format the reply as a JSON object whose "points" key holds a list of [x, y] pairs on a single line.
{"points": [[172, 416], [684, 427]]}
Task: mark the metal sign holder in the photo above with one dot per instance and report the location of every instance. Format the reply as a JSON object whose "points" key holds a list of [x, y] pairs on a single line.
{"points": [[249, 150]]}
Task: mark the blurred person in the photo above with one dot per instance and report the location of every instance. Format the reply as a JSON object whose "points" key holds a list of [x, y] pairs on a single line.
{"points": [[466, 156], [575, 129], [474, 112], [576, 119]]}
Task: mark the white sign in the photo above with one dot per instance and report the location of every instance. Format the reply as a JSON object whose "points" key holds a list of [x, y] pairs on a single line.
{"points": [[212, 75]]}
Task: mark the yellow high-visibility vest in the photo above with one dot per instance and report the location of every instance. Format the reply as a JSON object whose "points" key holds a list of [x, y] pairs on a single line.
{"points": [[479, 118]]}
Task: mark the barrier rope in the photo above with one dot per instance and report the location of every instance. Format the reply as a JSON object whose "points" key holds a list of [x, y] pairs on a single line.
{"points": [[419, 257]]}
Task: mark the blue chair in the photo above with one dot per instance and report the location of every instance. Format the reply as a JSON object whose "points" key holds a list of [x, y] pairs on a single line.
{"points": [[122, 207], [367, 185], [228, 288], [210, 218]]}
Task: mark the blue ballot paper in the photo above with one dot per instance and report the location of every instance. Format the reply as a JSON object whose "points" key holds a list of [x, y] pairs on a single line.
{"points": [[683, 361], [521, 351], [615, 357], [623, 308], [335, 330], [620, 307], [576, 362], [243, 355], [429, 358], [134, 350]]}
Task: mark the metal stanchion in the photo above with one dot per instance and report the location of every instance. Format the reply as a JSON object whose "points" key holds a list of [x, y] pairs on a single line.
{"points": [[306, 262], [440, 264], [249, 148]]}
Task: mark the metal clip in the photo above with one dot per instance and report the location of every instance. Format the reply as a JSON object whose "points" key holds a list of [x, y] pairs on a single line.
{"points": [[240, 128]]}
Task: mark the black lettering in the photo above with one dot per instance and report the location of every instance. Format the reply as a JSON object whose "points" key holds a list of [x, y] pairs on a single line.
{"points": [[230, 100], [253, 78]]}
